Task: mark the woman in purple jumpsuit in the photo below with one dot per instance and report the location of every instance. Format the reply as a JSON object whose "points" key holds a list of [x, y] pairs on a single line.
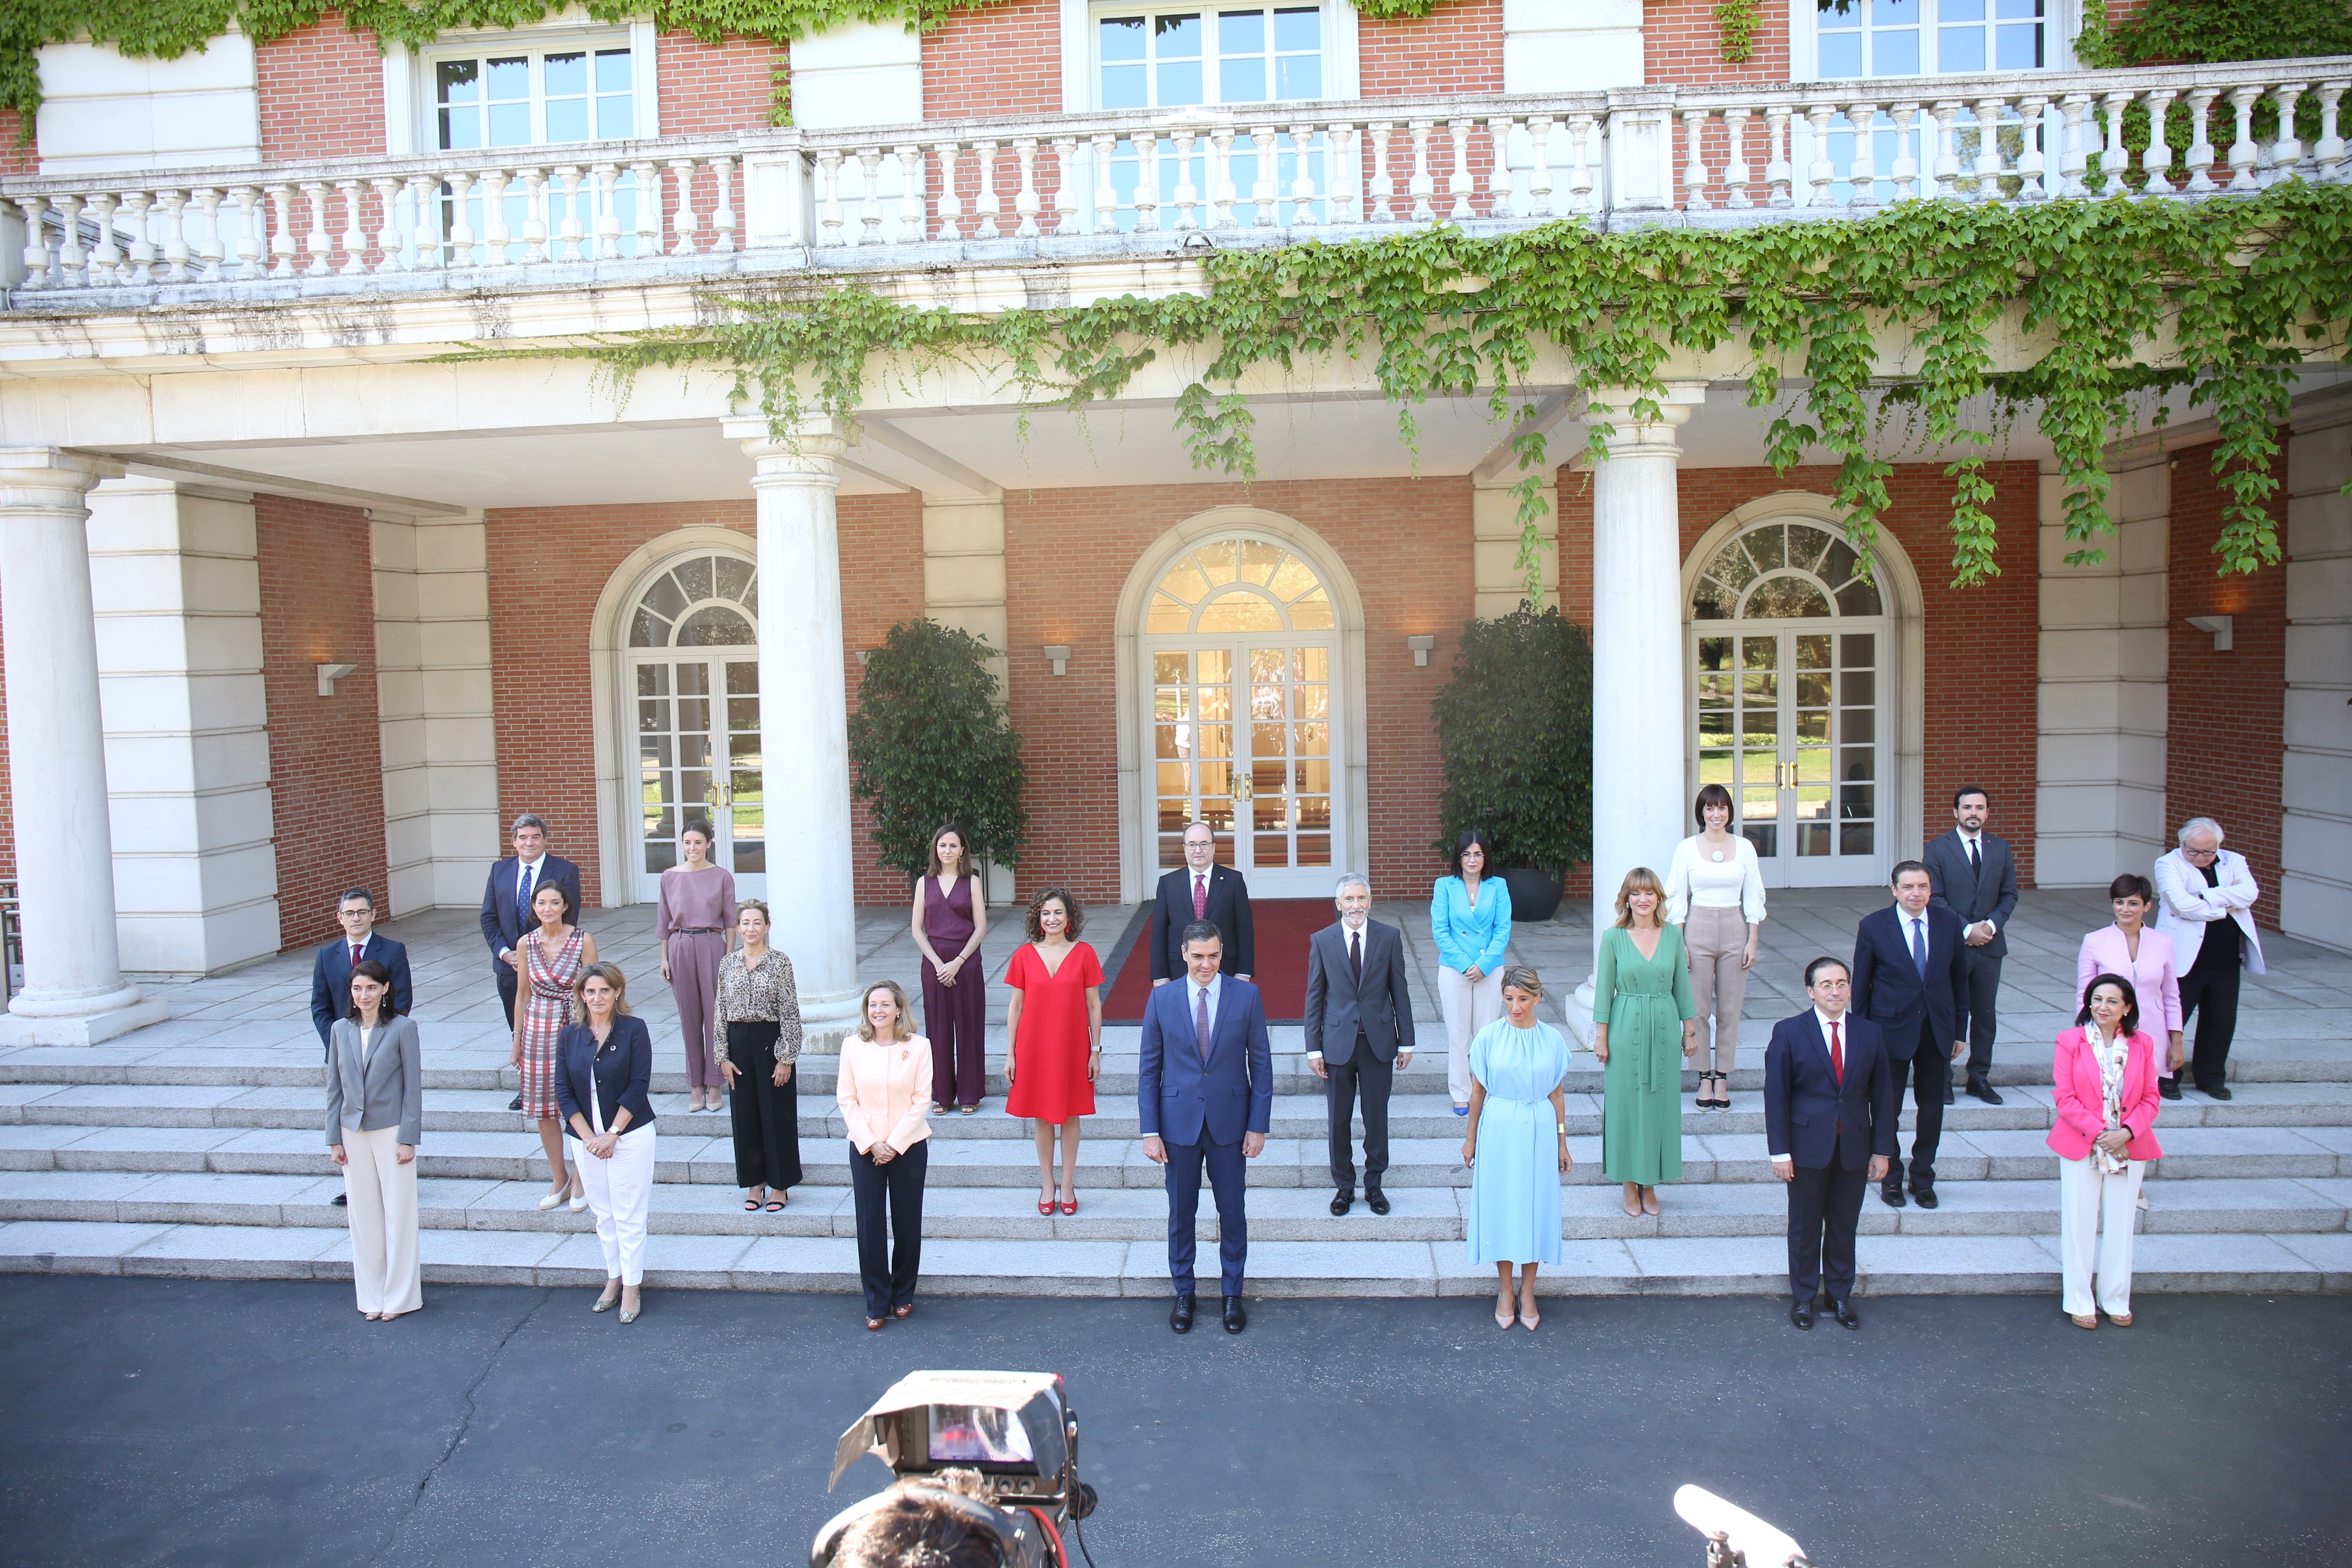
{"points": [[951, 919]]}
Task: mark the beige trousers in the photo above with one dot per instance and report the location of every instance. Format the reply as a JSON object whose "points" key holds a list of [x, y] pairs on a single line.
{"points": [[1469, 1008], [380, 1195], [1715, 938]]}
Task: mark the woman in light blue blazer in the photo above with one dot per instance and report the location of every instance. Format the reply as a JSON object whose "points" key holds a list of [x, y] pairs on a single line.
{"points": [[375, 1104], [1470, 919]]}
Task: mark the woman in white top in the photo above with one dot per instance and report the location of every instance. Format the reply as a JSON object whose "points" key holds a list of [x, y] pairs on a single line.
{"points": [[1715, 891]]}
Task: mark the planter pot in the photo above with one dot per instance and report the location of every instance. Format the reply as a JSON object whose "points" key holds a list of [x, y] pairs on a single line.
{"points": [[1535, 895]]}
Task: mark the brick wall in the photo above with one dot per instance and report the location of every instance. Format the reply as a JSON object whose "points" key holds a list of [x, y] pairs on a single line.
{"points": [[326, 760], [2225, 737], [19, 154], [1458, 47], [321, 93], [1002, 58], [708, 89], [1682, 45]]}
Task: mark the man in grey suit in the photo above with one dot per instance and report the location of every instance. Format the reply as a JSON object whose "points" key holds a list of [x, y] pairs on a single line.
{"points": [[1976, 879], [1358, 1033]]}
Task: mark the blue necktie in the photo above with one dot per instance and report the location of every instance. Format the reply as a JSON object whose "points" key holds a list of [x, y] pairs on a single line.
{"points": [[522, 896], [1919, 946]]}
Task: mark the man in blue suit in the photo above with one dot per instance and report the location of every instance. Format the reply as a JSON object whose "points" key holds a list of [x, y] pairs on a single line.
{"points": [[1829, 1112], [1205, 1091], [330, 971], [1910, 979]]}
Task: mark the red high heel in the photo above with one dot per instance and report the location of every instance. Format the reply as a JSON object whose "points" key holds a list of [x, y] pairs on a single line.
{"points": [[1046, 1207], [1070, 1207]]}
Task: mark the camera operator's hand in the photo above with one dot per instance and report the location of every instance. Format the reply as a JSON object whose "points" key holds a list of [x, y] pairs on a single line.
{"points": [[1253, 1145], [1155, 1150]]}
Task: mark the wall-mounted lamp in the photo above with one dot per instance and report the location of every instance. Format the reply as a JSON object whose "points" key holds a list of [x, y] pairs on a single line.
{"points": [[1421, 647], [1059, 652], [2216, 625], [330, 673], [864, 654]]}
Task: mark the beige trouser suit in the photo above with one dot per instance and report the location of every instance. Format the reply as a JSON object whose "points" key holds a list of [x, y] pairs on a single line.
{"points": [[1715, 902]]}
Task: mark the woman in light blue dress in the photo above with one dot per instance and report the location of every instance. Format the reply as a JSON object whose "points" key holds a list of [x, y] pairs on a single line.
{"points": [[1517, 1154]]}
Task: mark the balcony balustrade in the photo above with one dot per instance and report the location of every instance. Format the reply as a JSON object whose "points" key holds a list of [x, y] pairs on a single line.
{"points": [[1078, 186]]}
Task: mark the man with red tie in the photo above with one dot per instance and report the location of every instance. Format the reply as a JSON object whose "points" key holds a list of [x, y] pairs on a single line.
{"points": [[1200, 889], [1829, 1125]]}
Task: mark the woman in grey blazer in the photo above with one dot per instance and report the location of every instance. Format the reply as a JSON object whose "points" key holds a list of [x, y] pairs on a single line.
{"points": [[375, 1103]]}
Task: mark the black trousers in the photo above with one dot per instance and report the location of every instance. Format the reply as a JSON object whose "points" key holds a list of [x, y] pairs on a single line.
{"points": [[1983, 971], [1824, 1209], [766, 1114], [2215, 989], [889, 1257], [1929, 1070], [509, 982], [1366, 1073]]}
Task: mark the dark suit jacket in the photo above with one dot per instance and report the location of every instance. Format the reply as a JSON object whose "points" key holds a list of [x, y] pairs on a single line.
{"points": [[1887, 988], [1808, 1114], [1973, 897], [620, 1073], [1229, 910], [501, 925], [331, 979], [1181, 1101], [1339, 1006]]}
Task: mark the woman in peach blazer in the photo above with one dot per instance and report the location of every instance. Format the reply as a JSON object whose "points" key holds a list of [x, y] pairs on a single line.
{"points": [[883, 1087], [2143, 955], [2104, 1136]]}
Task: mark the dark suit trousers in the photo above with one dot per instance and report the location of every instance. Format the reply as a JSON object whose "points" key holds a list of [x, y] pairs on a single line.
{"points": [[1984, 986], [509, 982], [889, 1270], [1229, 1176], [2213, 988], [1824, 1208], [1929, 1071], [1364, 1071]]}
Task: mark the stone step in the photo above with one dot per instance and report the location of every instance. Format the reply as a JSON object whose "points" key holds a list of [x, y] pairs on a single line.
{"points": [[1127, 1214], [1897, 1263]]}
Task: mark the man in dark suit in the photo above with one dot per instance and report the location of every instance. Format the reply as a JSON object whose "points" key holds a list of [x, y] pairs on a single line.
{"points": [[1204, 1091], [1829, 1125], [1201, 891], [1358, 1033], [1908, 979], [330, 971], [506, 905], [1975, 876]]}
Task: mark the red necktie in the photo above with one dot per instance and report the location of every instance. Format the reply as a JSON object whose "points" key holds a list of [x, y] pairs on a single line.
{"points": [[355, 955], [1837, 1057], [1200, 896], [1200, 1021]]}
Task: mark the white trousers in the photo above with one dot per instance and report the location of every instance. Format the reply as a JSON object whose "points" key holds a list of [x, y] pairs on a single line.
{"points": [[2095, 1212], [380, 1202], [620, 1191], [1469, 1008]]}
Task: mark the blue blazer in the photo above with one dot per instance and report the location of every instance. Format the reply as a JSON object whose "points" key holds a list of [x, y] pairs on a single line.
{"points": [[1887, 987], [1181, 1101], [1466, 938], [619, 1073], [502, 926], [331, 980], [1808, 1116]]}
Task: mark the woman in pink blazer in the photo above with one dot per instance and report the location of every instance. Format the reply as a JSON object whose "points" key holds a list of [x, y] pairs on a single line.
{"points": [[2105, 1135], [883, 1087], [2143, 955]]}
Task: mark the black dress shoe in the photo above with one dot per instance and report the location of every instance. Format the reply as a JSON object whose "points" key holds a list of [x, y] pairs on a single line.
{"points": [[1378, 1199], [1948, 1094], [515, 1104], [1235, 1319], [1181, 1317], [2168, 1087], [1985, 1093], [1891, 1191], [2218, 1091], [1924, 1194], [341, 1199], [1343, 1200], [1800, 1313], [1844, 1313]]}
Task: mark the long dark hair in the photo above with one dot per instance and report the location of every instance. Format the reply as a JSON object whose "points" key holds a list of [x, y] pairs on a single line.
{"points": [[1471, 835], [382, 976], [2131, 1002]]}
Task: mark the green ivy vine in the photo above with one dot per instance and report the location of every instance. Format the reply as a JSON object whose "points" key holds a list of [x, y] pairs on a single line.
{"points": [[2209, 31], [1737, 23], [2238, 290]]}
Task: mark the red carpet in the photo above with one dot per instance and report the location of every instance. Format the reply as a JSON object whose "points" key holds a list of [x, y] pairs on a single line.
{"points": [[1281, 928]]}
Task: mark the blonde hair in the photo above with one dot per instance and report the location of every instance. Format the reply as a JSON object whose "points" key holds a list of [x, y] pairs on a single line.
{"points": [[1520, 976], [1636, 880], [760, 904], [609, 972], [903, 1029]]}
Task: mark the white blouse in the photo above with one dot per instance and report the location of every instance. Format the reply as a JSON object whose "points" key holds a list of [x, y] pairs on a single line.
{"points": [[1695, 878]]}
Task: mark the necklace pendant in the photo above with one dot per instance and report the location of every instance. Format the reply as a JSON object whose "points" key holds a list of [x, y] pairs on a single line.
{"points": [[1718, 856]]}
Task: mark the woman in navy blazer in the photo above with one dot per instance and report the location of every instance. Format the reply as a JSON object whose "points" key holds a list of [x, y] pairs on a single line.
{"points": [[603, 1063]]}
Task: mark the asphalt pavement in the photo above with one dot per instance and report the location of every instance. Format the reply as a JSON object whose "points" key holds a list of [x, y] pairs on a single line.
{"points": [[147, 1421]]}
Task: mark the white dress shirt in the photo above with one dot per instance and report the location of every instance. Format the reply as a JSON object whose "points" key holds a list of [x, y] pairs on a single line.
{"points": [[1824, 1021], [530, 868], [1216, 990], [1350, 934], [1909, 922], [1974, 850]]}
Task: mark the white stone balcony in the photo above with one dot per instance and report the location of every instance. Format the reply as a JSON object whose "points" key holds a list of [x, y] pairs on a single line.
{"points": [[1141, 185]]}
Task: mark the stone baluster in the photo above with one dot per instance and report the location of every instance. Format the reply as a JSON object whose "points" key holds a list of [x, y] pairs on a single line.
{"points": [[987, 206], [1221, 195], [648, 211], [1736, 172], [352, 240], [1579, 173], [2156, 159], [1026, 204], [37, 243], [249, 234], [1989, 169], [722, 212], [1820, 171], [608, 214], [1106, 146], [534, 215], [139, 267], [280, 216], [2113, 160], [2286, 153], [564, 234], [2244, 153], [950, 160], [1694, 169], [1265, 190], [1302, 181], [2032, 162], [1147, 178], [1347, 182], [496, 234], [423, 203], [175, 238], [387, 233], [1861, 173], [2199, 156], [1457, 183], [914, 199], [1186, 196], [685, 224], [1384, 187], [1539, 184], [1066, 188], [72, 260], [106, 256], [2073, 158], [828, 196], [869, 197], [1903, 169], [2327, 152], [318, 242], [1498, 178], [1423, 186], [1943, 168], [461, 216], [1780, 174]]}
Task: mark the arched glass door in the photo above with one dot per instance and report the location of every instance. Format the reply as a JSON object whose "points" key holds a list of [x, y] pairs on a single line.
{"points": [[694, 667], [1241, 644], [1788, 656]]}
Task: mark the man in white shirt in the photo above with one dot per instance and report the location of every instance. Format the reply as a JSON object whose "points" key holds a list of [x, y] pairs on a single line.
{"points": [[2205, 897], [1975, 876], [1829, 1125]]}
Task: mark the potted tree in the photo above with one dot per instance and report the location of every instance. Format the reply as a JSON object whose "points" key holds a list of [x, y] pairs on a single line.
{"points": [[928, 746], [1515, 735]]}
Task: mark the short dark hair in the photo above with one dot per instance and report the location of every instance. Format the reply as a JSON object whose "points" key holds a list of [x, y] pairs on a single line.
{"points": [[1468, 836], [1965, 791], [1904, 868], [2131, 885], [1713, 794], [2131, 1002], [1045, 896], [382, 976], [361, 894], [918, 1524], [1826, 962], [1201, 931], [528, 819]]}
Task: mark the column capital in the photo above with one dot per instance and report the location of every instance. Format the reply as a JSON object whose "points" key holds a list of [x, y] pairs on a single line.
{"points": [[49, 478], [1648, 436], [809, 452]]}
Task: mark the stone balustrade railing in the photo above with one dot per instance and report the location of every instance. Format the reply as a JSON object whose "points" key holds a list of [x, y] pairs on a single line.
{"points": [[1083, 184]]}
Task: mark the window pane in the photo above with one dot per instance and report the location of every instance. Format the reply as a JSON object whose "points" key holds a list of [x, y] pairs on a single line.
{"points": [[567, 119], [1241, 33], [510, 124], [1298, 77], [459, 81], [1123, 86], [567, 74], [2020, 45], [612, 116], [694, 579], [1179, 83], [1172, 37], [461, 128], [1895, 53], [611, 70], [1121, 37], [1841, 56], [1960, 50], [1299, 30], [1241, 81]]}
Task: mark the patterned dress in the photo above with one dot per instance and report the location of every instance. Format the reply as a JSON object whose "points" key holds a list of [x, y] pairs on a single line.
{"points": [[547, 1011]]}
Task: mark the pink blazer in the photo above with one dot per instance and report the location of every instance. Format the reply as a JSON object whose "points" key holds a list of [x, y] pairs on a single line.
{"points": [[883, 1091], [2105, 952], [2081, 1116]]}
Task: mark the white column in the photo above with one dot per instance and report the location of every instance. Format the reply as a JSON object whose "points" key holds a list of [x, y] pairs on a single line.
{"points": [[74, 992], [2316, 783], [1638, 805], [804, 714]]}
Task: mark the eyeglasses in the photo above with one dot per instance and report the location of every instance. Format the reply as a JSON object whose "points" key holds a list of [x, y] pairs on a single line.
{"points": [[2199, 854]]}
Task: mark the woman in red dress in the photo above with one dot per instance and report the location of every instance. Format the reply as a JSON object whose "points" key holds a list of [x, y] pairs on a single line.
{"points": [[1053, 1032]]}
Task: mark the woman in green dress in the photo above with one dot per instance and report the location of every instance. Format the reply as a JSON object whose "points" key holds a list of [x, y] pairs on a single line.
{"points": [[1643, 1024]]}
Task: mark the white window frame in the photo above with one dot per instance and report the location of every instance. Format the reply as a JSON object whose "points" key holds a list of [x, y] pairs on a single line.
{"points": [[1081, 68], [410, 101], [2059, 25]]}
